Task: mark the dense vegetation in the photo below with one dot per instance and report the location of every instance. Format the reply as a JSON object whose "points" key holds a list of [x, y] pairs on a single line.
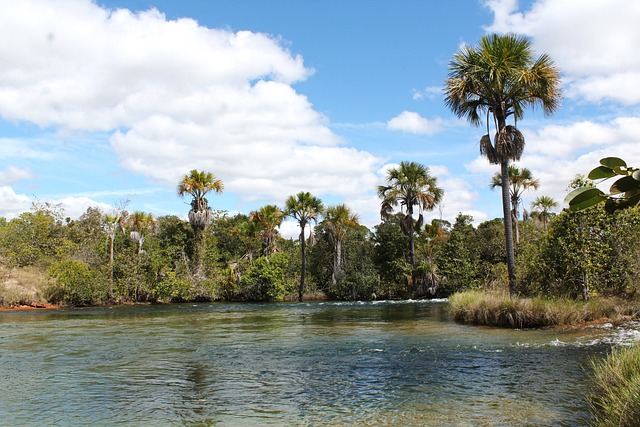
{"points": [[134, 257]]}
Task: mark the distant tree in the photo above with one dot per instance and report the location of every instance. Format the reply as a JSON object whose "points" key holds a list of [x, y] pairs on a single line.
{"points": [[520, 180], [337, 221], [542, 207], [500, 77], [411, 186], [268, 218], [304, 208], [198, 185], [140, 223]]}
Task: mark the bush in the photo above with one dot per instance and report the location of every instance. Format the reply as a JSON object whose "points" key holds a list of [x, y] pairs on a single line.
{"points": [[266, 280], [615, 398], [75, 283]]}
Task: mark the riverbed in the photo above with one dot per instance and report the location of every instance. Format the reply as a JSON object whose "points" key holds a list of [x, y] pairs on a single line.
{"points": [[385, 363]]}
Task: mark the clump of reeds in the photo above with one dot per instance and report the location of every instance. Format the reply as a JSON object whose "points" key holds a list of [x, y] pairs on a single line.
{"points": [[499, 309], [615, 398]]}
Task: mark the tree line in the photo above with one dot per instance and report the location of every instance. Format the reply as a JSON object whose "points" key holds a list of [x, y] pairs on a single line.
{"points": [[121, 257]]}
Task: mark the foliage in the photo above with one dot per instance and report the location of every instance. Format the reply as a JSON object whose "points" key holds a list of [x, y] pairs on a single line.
{"points": [[75, 283], [266, 280], [623, 193], [198, 184], [615, 397], [460, 260]]}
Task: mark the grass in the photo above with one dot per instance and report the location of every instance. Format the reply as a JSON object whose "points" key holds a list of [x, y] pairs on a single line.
{"points": [[498, 309], [615, 398], [21, 286]]}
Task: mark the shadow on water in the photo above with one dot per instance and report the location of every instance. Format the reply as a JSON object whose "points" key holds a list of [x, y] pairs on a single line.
{"points": [[322, 363]]}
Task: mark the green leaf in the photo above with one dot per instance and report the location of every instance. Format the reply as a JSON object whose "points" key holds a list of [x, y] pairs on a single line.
{"points": [[584, 197], [623, 185], [601, 172], [612, 162]]}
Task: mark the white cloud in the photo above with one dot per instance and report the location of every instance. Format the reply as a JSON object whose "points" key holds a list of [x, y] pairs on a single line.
{"points": [[12, 204], [175, 96], [411, 122], [14, 174], [431, 92], [590, 42]]}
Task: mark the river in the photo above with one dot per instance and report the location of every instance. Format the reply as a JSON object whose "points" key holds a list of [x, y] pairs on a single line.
{"points": [[294, 364]]}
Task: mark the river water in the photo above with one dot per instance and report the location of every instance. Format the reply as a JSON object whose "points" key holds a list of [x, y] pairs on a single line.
{"points": [[292, 364]]}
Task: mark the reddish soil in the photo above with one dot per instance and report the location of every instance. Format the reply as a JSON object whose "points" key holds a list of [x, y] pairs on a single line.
{"points": [[33, 306]]}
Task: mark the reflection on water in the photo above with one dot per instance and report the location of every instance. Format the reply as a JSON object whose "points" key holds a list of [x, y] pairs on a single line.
{"points": [[382, 363]]}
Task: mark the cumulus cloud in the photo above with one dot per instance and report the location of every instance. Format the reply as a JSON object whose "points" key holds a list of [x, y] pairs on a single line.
{"points": [[590, 42], [175, 96], [412, 122]]}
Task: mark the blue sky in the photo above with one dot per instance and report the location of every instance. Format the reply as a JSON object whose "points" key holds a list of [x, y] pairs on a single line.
{"points": [[107, 101]]}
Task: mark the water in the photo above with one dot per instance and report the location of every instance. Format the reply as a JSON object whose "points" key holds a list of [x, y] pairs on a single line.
{"points": [[299, 364]]}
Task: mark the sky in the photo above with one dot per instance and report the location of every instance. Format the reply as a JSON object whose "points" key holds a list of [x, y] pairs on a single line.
{"points": [[107, 103]]}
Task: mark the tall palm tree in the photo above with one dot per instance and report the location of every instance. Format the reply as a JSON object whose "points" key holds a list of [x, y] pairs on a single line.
{"points": [[268, 218], [303, 207], [198, 184], [337, 222], [410, 185], [519, 181], [500, 78], [542, 206]]}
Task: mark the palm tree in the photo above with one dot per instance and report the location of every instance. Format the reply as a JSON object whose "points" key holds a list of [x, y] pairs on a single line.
{"points": [[410, 185], [140, 223], [111, 224], [267, 218], [500, 78], [337, 222], [542, 206], [303, 207], [519, 181], [198, 184]]}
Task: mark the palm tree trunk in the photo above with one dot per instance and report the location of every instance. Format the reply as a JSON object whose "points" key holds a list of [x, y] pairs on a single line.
{"points": [[304, 263], [337, 263], [508, 227], [515, 224], [112, 238]]}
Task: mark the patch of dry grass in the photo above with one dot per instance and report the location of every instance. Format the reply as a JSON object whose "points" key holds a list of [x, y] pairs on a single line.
{"points": [[21, 286], [498, 309]]}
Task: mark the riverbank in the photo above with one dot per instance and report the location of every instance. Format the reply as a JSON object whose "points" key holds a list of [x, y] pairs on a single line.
{"points": [[498, 309]]}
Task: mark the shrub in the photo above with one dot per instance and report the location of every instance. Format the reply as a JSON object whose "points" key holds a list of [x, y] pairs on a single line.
{"points": [[75, 283]]}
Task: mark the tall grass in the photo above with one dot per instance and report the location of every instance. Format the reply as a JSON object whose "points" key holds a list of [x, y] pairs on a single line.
{"points": [[498, 309], [615, 398]]}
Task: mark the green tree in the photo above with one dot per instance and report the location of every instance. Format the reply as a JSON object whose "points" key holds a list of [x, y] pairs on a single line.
{"points": [[198, 185], [112, 223], [391, 256], [410, 185], [268, 218], [541, 207], [520, 180], [303, 207], [337, 222], [500, 78], [459, 261]]}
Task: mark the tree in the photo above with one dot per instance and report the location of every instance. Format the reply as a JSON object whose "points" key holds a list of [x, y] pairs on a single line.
{"points": [[338, 220], [542, 207], [519, 181], [268, 218], [111, 224], [410, 185], [500, 78], [140, 223], [303, 207], [198, 184]]}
